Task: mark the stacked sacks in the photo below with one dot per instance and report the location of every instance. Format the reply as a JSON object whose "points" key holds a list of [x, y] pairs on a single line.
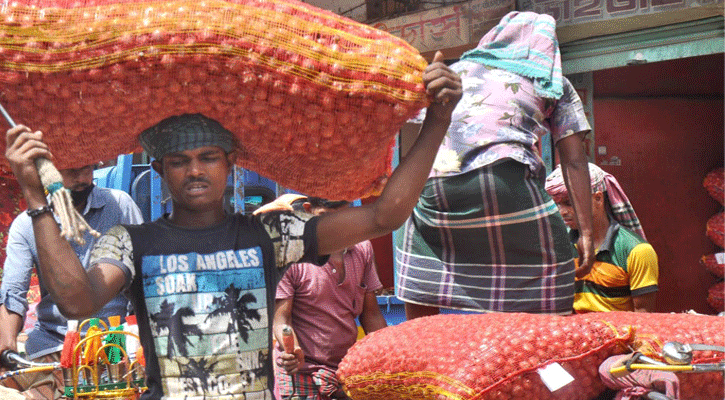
{"points": [[496, 356], [716, 296], [716, 229], [487, 356], [315, 99], [714, 184], [715, 263]]}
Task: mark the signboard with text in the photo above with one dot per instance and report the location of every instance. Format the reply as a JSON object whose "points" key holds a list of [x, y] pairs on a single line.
{"points": [[573, 12], [447, 27]]}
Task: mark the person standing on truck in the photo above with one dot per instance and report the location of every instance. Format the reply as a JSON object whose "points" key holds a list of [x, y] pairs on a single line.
{"points": [[485, 236]]}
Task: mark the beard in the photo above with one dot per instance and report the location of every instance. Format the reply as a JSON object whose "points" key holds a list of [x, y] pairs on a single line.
{"points": [[79, 197]]}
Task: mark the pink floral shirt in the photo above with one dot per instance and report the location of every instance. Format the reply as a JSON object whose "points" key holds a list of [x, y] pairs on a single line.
{"points": [[500, 117]]}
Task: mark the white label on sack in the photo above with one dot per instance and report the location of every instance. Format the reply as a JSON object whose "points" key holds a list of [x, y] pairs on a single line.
{"points": [[555, 376], [720, 258]]}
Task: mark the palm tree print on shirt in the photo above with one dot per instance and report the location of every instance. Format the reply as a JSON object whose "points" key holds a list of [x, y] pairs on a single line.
{"points": [[236, 307], [197, 374], [179, 331]]}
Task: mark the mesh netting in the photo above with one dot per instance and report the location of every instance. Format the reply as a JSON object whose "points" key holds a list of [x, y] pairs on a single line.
{"points": [[715, 229], [714, 263], [495, 356], [490, 356], [314, 98], [655, 329], [716, 297], [714, 184]]}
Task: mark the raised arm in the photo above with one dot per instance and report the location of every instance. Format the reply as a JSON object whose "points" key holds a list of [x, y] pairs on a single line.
{"points": [[77, 293], [344, 228], [575, 170]]}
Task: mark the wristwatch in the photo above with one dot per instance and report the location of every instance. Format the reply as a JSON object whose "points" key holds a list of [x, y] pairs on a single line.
{"points": [[41, 210]]}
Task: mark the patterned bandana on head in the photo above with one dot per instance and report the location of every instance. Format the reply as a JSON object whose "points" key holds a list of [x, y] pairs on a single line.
{"points": [[185, 132], [601, 182], [524, 43]]}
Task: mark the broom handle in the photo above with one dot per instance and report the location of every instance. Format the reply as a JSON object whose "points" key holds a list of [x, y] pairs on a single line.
{"points": [[7, 116], [42, 164], [72, 223]]}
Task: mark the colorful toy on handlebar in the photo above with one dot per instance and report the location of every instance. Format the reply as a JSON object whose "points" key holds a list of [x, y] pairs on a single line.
{"points": [[96, 366]]}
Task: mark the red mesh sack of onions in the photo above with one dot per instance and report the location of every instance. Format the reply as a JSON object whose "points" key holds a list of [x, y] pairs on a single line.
{"points": [[488, 356], [652, 330], [716, 229], [715, 263], [714, 183], [314, 98], [716, 296]]}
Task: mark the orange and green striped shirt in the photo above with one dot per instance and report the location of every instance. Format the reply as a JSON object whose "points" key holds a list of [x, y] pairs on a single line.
{"points": [[625, 266]]}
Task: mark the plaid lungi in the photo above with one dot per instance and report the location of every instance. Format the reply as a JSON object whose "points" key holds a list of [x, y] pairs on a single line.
{"points": [[319, 385], [490, 239]]}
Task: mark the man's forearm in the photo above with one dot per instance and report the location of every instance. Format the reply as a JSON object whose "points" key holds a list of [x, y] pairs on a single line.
{"points": [[10, 326], [371, 318], [577, 181], [372, 323], [282, 317], [63, 275], [404, 187]]}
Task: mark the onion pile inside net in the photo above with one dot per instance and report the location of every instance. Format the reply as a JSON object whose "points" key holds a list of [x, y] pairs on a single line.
{"points": [[314, 98], [497, 356]]}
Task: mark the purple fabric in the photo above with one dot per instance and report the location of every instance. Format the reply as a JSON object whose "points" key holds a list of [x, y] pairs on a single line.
{"points": [[501, 117]]}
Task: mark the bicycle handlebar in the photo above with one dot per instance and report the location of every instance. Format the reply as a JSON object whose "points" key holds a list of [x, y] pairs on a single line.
{"points": [[13, 361], [6, 359]]}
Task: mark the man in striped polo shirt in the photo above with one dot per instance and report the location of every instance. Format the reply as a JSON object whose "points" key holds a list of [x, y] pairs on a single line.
{"points": [[625, 272]]}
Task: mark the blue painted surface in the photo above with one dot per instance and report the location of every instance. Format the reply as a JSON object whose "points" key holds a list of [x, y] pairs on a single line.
{"points": [[117, 176], [146, 187], [393, 310]]}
